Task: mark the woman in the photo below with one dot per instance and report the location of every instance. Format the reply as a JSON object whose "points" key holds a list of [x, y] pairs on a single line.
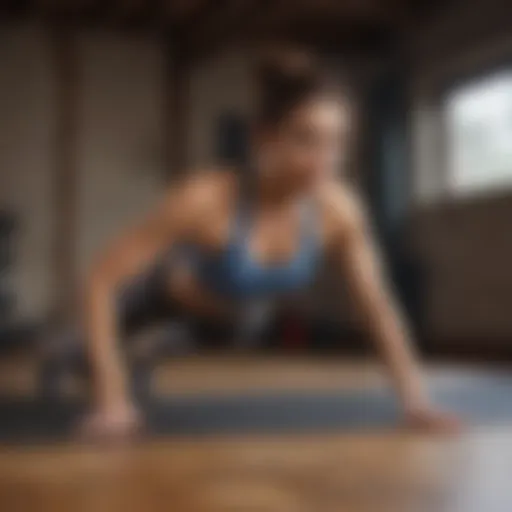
{"points": [[257, 234]]}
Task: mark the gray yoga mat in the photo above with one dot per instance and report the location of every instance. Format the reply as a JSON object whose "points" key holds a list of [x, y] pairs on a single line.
{"points": [[483, 400]]}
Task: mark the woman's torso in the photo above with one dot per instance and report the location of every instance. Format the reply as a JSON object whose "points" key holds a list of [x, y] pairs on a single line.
{"points": [[245, 253]]}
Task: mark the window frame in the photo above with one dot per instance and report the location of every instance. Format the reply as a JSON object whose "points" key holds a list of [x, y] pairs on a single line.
{"points": [[459, 81]]}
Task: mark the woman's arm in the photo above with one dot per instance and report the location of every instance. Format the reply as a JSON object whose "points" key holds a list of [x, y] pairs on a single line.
{"points": [[126, 257], [383, 319]]}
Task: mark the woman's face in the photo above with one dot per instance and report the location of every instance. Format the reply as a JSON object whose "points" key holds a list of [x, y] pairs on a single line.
{"points": [[308, 146]]}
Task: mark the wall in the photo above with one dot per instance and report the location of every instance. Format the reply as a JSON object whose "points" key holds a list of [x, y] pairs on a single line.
{"points": [[26, 126], [465, 244], [120, 140], [120, 162], [120, 154], [221, 84]]}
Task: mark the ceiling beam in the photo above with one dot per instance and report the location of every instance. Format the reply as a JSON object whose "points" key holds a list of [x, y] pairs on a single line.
{"points": [[13, 9], [324, 20], [200, 27], [233, 15], [181, 11], [119, 15], [132, 9], [133, 14], [61, 7], [230, 25], [76, 12], [344, 12], [204, 19]]}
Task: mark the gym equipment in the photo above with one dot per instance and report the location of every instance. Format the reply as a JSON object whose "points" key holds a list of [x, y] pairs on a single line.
{"points": [[65, 356]]}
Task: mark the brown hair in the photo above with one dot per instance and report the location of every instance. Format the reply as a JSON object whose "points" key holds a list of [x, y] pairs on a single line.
{"points": [[289, 77]]}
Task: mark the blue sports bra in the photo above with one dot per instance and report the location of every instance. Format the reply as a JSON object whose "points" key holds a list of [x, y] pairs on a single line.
{"points": [[234, 273]]}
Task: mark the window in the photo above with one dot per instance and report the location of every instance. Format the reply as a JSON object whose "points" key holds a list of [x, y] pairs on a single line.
{"points": [[479, 122]]}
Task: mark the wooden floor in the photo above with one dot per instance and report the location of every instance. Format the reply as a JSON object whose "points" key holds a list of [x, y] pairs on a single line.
{"points": [[352, 472]]}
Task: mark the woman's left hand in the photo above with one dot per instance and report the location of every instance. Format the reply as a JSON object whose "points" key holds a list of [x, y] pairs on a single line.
{"points": [[431, 420]]}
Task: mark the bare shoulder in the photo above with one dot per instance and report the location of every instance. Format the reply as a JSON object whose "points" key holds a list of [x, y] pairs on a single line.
{"points": [[205, 186], [198, 199], [342, 208], [199, 193]]}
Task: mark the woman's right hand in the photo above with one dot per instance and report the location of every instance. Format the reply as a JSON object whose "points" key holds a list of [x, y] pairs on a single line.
{"points": [[112, 424]]}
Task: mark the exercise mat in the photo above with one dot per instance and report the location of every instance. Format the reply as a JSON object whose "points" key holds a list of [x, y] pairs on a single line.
{"points": [[478, 400]]}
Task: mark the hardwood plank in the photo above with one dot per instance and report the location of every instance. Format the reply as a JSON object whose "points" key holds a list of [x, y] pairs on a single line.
{"points": [[386, 472]]}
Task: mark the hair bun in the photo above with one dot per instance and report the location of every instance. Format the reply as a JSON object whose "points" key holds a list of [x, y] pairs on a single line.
{"points": [[286, 77]]}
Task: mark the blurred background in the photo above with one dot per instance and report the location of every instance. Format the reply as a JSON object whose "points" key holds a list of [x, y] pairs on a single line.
{"points": [[103, 103]]}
